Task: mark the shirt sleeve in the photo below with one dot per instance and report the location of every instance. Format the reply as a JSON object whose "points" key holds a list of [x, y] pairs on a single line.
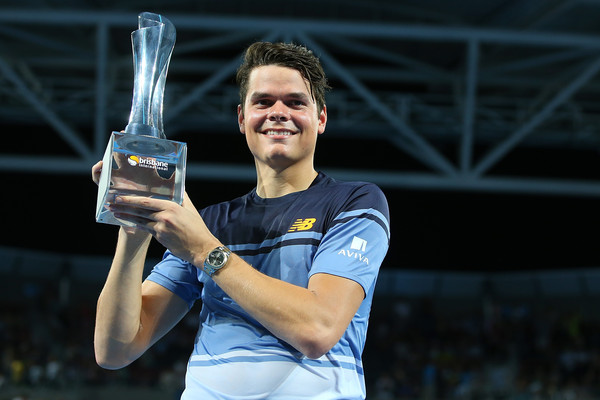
{"points": [[357, 241], [178, 276]]}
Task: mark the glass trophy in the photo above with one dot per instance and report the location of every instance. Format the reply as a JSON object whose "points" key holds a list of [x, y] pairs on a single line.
{"points": [[140, 161]]}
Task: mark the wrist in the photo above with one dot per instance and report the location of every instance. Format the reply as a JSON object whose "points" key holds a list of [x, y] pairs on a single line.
{"points": [[216, 259], [134, 236], [132, 244]]}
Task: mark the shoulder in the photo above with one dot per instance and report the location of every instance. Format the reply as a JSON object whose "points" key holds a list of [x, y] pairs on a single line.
{"points": [[355, 194], [326, 181]]}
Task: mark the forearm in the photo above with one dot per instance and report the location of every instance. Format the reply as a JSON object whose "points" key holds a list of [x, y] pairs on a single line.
{"points": [[295, 314], [119, 306]]}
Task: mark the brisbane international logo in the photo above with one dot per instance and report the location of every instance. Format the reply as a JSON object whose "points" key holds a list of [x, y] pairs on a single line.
{"points": [[147, 162], [133, 160]]}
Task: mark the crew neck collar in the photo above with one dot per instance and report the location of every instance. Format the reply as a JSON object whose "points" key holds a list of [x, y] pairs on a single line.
{"points": [[285, 198]]}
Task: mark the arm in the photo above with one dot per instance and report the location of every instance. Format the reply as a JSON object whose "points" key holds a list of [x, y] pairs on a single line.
{"points": [[130, 315], [311, 319]]}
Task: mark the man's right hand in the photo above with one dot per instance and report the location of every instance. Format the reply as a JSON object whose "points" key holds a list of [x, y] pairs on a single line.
{"points": [[96, 171]]}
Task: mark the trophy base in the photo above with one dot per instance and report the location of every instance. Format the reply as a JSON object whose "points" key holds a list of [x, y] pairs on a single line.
{"points": [[135, 165]]}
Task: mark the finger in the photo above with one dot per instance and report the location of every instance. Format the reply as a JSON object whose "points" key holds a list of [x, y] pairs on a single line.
{"points": [[97, 171], [143, 202], [140, 223], [134, 211]]}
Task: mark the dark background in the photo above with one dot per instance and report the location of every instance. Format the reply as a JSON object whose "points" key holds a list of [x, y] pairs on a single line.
{"points": [[442, 227], [431, 229], [478, 270]]}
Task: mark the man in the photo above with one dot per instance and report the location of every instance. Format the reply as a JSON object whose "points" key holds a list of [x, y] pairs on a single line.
{"points": [[285, 273]]}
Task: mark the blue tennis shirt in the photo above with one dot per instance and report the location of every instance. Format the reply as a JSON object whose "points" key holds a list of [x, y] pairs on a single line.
{"points": [[333, 227]]}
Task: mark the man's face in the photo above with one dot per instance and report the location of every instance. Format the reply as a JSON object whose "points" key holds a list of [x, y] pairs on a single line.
{"points": [[280, 118]]}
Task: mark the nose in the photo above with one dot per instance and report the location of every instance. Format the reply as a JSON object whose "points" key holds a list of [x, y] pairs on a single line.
{"points": [[278, 113]]}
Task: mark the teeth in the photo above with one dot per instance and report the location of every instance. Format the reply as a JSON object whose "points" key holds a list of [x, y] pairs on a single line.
{"points": [[276, 133]]}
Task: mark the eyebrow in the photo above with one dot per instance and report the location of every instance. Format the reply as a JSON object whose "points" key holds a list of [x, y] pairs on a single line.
{"points": [[294, 95]]}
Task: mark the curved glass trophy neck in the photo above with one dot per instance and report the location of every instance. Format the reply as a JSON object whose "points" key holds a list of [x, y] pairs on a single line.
{"points": [[135, 128], [152, 46]]}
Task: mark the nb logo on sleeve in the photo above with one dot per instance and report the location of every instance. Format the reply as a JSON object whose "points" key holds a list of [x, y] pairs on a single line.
{"points": [[302, 224]]}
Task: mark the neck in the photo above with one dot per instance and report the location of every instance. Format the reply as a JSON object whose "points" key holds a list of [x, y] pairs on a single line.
{"points": [[276, 183]]}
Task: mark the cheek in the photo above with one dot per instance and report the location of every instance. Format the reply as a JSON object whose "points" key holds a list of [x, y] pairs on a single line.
{"points": [[310, 123], [254, 120]]}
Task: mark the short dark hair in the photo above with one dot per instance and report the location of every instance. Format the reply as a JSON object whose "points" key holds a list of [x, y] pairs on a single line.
{"points": [[285, 55]]}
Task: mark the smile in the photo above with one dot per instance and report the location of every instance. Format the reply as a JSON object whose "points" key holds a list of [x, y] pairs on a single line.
{"points": [[278, 133]]}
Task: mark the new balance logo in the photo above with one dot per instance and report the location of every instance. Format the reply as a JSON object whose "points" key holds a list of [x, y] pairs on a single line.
{"points": [[302, 224]]}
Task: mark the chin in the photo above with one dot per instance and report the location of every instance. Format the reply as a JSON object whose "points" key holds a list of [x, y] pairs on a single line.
{"points": [[279, 161]]}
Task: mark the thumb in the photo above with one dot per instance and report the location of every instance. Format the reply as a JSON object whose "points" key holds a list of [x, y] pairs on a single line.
{"points": [[187, 203]]}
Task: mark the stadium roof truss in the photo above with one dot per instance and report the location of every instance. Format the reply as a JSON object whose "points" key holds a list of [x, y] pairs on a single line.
{"points": [[454, 100]]}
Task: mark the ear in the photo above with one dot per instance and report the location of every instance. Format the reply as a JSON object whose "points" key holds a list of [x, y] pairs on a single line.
{"points": [[322, 120], [240, 114]]}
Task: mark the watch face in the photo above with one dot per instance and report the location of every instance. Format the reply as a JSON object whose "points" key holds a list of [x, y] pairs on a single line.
{"points": [[216, 258]]}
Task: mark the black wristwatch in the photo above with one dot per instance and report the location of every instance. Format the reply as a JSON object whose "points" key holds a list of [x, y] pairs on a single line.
{"points": [[216, 259]]}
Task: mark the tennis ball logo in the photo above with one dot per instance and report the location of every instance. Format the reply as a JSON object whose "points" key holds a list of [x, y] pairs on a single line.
{"points": [[133, 160]]}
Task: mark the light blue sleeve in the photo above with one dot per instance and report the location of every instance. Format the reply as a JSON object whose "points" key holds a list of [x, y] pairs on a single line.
{"points": [[178, 276], [356, 244]]}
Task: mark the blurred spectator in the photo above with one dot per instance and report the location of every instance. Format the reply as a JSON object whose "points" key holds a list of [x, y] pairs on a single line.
{"points": [[415, 351], [494, 352]]}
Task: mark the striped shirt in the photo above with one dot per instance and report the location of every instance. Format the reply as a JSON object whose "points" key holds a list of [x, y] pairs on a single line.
{"points": [[338, 228]]}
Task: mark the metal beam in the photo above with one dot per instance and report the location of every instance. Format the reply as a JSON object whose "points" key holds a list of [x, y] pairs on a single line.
{"points": [[503, 148], [26, 36], [210, 43], [338, 41], [100, 131], [385, 179], [352, 29], [46, 165], [425, 152], [424, 181], [215, 79], [469, 106], [68, 134], [433, 115], [536, 62]]}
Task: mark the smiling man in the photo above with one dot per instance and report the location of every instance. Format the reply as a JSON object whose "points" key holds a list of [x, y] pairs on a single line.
{"points": [[281, 121], [285, 273]]}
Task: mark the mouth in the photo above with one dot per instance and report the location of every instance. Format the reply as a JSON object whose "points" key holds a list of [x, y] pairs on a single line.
{"points": [[272, 132]]}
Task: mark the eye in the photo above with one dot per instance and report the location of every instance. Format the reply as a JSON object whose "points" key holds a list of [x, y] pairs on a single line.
{"points": [[296, 103], [263, 102]]}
